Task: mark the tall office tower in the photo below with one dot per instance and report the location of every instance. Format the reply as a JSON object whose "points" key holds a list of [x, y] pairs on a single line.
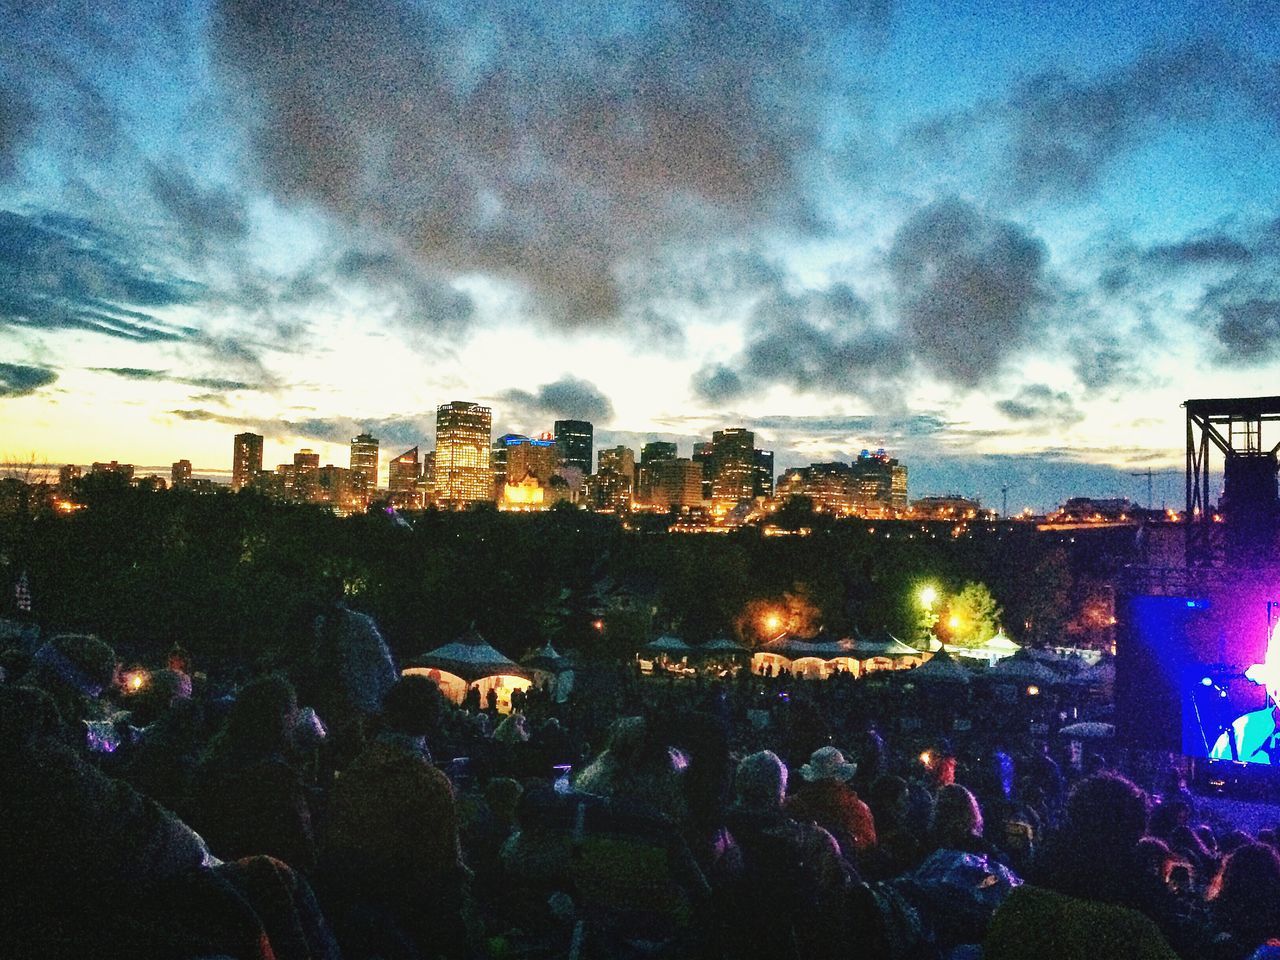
{"points": [[402, 473], [702, 453], [336, 486], [306, 468], [364, 465], [675, 483], [427, 478], [764, 473], [68, 477], [575, 440], [621, 460], [180, 473], [463, 476], [534, 457], [881, 482], [606, 489], [498, 459], [651, 454], [246, 459], [733, 464]]}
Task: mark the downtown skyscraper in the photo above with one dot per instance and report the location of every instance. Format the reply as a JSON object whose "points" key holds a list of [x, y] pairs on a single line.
{"points": [[462, 471], [246, 459]]}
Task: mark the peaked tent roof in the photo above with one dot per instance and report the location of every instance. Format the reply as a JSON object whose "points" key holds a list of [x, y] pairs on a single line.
{"points": [[1022, 668], [722, 645], [1001, 643], [546, 659], [882, 643], [470, 657], [668, 644], [940, 668]]}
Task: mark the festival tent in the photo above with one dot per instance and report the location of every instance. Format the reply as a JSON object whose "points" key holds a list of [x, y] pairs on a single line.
{"points": [[1022, 668], [1101, 674], [722, 648], [669, 645], [992, 651], [941, 668], [550, 668], [470, 661], [883, 651], [1088, 730]]}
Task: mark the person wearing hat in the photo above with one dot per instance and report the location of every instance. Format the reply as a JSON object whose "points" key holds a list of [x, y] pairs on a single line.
{"points": [[827, 799]]}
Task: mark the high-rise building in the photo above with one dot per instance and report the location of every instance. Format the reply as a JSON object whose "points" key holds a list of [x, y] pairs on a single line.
{"points": [[733, 464], [575, 440], [68, 478], [621, 460], [702, 453], [498, 459], [881, 482], [246, 459], [606, 489], [180, 473], [462, 474], [306, 468], [831, 486], [114, 467], [675, 483], [364, 465], [651, 454], [336, 486], [764, 473], [402, 472]]}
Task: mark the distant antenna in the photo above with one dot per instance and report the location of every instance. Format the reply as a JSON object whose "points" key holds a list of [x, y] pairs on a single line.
{"points": [[1004, 501], [1149, 474]]}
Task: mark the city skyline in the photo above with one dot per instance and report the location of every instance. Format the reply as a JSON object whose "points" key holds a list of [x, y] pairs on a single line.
{"points": [[1003, 242]]}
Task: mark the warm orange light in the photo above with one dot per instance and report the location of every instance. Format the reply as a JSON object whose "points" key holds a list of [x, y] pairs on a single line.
{"points": [[1033, 691], [772, 622], [954, 622], [598, 624], [926, 758]]}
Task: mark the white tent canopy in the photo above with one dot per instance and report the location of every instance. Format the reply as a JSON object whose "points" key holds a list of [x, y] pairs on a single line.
{"points": [[471, 661], [941, 668]]}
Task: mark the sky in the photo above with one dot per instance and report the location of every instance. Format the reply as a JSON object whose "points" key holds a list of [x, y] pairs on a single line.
{"points": [[1003, 241]]}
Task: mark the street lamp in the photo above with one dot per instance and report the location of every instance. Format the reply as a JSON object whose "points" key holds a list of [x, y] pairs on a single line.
{"points": [[772, 622], [927, 596]]}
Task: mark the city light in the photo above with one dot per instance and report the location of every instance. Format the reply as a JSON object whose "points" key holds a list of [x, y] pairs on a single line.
{"points": [[954, 621], [772, 622], [928, 596], [1033, 691]]}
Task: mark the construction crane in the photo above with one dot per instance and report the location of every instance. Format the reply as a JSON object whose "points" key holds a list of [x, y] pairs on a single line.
{"points": [[1150, 475]]}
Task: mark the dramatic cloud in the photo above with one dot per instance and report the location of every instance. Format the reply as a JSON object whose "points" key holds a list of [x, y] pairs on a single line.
{"points": [[1056, 135], [566, 399], [969, 289], [1245, 320], [543, 148], [821, 340], [206, 214], [203, 383], [394, 432], [63, 273], [17, 120], [423, 304], [19, 381], [1039, 404]]}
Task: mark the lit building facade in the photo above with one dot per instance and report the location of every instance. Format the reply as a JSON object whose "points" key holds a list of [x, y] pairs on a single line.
{"points": [[180, 473], [675, 483], [364, 465], [703, 453], [246, 459], [575, 441], [764, 473], [621, 460], [606, 489], [68, 478], [462, 472], [733, 465], [402, 477], [652, 454], [881, 482], [120, 469]]}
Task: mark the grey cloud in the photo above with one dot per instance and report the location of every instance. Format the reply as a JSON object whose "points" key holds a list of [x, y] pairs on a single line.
{"points": [[62, 273], [1056, 135], [425, 303], [566, 399], [1214, 249], [716, 383], [1245, 319], [1038, 403], [812, 341], [17, 121], [912, 425], [204, 383], [533, 147], [17, 380], [206, 215], [970, 289], [394, 432]]}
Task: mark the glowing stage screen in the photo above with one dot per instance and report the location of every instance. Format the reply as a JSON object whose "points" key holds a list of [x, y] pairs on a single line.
{"points": [[1196, 675]]}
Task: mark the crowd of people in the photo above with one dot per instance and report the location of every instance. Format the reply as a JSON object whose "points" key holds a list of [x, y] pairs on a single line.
{"points": [[334, 809]]}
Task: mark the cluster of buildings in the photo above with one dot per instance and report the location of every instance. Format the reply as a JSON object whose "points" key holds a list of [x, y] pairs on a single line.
{"points": [[517, 472], [727, 475]]}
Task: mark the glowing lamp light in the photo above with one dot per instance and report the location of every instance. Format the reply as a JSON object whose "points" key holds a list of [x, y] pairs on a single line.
{"points": [[772, 622], [928, 595], [1033, 691], [135, 681], [926, 758], [954, 622]]}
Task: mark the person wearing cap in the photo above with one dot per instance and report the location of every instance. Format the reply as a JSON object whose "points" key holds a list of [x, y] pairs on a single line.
{"points": [[827, 799]]}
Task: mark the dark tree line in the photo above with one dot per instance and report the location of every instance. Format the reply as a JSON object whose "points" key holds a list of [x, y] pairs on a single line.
{"points": [[239, 576]]}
